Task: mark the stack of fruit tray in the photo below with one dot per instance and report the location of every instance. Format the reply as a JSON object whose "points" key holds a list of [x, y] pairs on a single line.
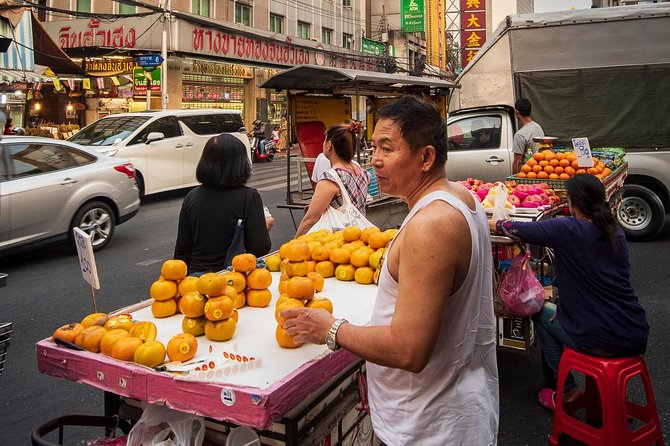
{"points": [[5, 331], [612, 182]]}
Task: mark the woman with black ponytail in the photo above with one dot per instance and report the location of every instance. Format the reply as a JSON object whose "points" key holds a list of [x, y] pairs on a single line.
{"points": [[599, 313]]}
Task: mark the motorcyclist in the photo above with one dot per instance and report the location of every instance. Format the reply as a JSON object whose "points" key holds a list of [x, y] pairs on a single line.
{"points": [[259, 133]]}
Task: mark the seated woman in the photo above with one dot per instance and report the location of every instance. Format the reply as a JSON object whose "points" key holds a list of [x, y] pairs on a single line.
{"points": [[599, 313], [210, 212], [339, 148]]}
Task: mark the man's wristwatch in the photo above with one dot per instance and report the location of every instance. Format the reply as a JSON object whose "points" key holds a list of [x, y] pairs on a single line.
{"points": [[331, 337]]}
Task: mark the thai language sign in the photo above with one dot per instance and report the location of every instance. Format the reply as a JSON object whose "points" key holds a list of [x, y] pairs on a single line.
{"points": [[473, 29], [412, 16]]}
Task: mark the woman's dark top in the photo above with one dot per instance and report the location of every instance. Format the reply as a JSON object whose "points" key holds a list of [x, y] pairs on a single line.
{"points": [[598, 307], [207, 222]]}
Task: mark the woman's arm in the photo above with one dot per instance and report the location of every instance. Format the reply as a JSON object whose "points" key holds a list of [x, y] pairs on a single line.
{"points": [[550, 233], [256, 236], [184, 245], [325, 191]]}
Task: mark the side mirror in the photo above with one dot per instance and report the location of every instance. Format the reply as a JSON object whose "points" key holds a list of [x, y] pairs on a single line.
{"points": [[154, 136], [242, 129]]}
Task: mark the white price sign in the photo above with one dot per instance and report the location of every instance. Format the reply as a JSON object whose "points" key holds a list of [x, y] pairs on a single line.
{"points": [[86, 257], [583, 152]]}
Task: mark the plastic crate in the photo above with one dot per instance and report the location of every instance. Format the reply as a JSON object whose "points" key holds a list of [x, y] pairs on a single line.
{"points": [[5, 332]]}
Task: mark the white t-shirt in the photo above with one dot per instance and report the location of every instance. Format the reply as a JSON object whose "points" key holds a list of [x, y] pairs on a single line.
{"points": [[454, 399], [321, 165], [523, 139]]}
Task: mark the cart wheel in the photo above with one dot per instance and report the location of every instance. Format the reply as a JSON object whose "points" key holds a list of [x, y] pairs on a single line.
{"points": [[640, 213]]}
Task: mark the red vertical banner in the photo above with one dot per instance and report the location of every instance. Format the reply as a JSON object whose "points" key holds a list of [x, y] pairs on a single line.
{"points": [[473, 29]]}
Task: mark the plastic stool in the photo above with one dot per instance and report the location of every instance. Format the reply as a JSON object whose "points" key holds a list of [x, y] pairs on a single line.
{"points": [[605, 399]]}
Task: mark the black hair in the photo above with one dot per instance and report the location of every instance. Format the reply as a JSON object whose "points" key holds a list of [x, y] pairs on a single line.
{"points": [[587, 193], [420, 125], [343, 139], [224, 163], [523, 106]]}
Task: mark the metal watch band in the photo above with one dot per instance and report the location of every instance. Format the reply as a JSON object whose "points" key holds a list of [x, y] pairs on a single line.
{"points": [[331, 338]]}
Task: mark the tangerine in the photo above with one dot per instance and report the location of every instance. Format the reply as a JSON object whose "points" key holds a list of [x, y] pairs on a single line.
{"points": [[365, 234], [219, 308], [378, 240], [194, 325], [287, 304], [187, 284], [564, 162], [321, 302], [182, 347], [296, 269], [570, 171], [364, 275], [192, 304], [375, 258], [360, 257], [89, 338], [240, 300], [549, 169], [341, 255], [283, 339], [259, 298], [297, 251], [300, 288], [537, 169], [542, 175], [543, 163], [325, 268], [110, 338], [351, 233], [164, 308], [317, 280], [237, 280], [211, 284], [538, 156], [564, 176], [531, 162], [345, 272], [575, 164], [174, 269], [548, 155], [321, 253], [558, 170], [272, 262], [522, 175], [531, 175], [554, 162], [259, 279], [553, 176], [163, 290], [526, 168], [124, 349], [150, 354], [221, 330], [243, 263]]}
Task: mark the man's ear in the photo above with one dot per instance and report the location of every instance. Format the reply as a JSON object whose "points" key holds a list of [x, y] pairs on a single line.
{"points": [[428, 156]]}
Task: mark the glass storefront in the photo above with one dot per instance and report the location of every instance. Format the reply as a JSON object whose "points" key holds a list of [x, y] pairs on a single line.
{"points": [[214, 85]]}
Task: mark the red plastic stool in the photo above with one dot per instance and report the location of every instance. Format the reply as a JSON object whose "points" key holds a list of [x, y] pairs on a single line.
{"points": [[605, 399]]}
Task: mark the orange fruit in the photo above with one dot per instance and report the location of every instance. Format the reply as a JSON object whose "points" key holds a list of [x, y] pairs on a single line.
{"points": [[150, 354], [174, 269], [235, 316], [580, 171], [364, 275], [89, 338], [272, 262], [531, 175], [360, 243], [536, 169], [283, 339], [325, 268], [321, 253], [182, 347], [281, 298], [243, 263], [164, 308], [221, 330], [575, 164], [321, 302], [558, 170], [192, 304], [522, 175], [259, 298], [163, 290], [564, 176], [219, 308], [564, 162], [259, 279], [110, 338], [124, 349], [392, 232], [124, 321], [548, 155], [553, 176], [211, 284], [570, 171], [351, 233], [287, 304], [340, 255], [349, 247], [542, 175], [570, 156], [549, 169], [345, 272], [378, 240], [237, 280], [300, 288], [240, 300], [94, 319], [554, 162], [531, 162], [593, 171], [360, 257], [375, 258], [187, 284], [538, 156], [194, 325], [283, 248], [145, 330], [311, 266], [317, 280], [365, 234], [525, 168], [297, 251], [559, 155], [297, 269], [543, 163]]}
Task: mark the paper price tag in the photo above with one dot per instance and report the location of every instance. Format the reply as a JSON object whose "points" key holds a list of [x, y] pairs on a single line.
{"points": [[86, 257], [582, 152]]}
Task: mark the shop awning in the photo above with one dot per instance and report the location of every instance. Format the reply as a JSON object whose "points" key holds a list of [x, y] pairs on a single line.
{"points": [[40, 74]]}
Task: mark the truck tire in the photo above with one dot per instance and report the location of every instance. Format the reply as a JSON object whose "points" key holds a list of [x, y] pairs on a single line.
{"points": [[640, 213]]}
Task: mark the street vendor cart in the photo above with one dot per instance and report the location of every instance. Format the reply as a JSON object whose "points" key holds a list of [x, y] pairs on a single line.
{"points": [[319, 97]]}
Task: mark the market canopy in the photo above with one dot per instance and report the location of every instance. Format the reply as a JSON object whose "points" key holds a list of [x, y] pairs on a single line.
{"points": [[346, 81]]}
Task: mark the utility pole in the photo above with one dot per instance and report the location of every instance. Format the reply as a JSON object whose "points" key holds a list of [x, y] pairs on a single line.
{"points": [[164, 54]]}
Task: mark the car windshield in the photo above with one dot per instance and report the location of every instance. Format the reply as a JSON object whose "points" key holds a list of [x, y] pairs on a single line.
{"points": [[108, 130]]}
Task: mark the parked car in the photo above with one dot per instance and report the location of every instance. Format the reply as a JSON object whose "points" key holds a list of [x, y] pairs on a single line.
{"points": [[164, 146], [48, 187]]}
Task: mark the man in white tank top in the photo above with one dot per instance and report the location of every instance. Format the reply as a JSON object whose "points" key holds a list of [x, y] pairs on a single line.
{"points": [[430, 343]]}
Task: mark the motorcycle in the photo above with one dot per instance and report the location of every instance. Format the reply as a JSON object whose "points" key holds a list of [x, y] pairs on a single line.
{"points": [[268, 154]]}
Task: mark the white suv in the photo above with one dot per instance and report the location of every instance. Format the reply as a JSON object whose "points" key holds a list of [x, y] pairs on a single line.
{"points": [[164, 146]]}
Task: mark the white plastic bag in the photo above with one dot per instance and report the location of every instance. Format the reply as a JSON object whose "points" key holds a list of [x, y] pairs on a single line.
{"points": [[161, 426], [500, 210]]}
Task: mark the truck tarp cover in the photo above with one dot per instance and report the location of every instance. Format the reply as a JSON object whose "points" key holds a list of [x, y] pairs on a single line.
{"points": [[622, 106]]}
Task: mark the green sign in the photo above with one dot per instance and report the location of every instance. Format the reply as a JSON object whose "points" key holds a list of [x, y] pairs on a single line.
{"points": [[140, 79], [372, 47], [413, 17]]}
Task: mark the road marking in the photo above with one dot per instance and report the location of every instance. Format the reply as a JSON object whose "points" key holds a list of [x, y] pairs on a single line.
{"points": [[150, 262]]}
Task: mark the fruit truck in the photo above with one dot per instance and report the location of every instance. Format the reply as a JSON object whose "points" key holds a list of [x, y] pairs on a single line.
{"points": [[597, 73]]}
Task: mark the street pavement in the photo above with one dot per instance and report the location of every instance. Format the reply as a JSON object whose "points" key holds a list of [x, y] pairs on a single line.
{"points": [[45, 290]]}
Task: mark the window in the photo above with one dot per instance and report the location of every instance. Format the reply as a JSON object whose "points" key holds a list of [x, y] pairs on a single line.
{"points": [[200, 7], [347, 41], [243, 14], [127, 9], [276, 24], [106, 131], [326, 35], [346, 3], [168, 126], [83, 5], [230, 122], [303, 30], [33, 159], [480, 132], [213, 124]]}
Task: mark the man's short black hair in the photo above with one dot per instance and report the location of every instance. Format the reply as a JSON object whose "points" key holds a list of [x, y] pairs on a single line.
{"points": [[420, 125], [224, 163], [523, 106]]}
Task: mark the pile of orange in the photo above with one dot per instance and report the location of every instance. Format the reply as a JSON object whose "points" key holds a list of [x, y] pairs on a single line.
{"points": [[547, 164]]}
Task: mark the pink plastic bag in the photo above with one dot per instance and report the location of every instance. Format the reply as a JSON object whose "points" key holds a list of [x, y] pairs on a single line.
{"points": [[519, 289]]}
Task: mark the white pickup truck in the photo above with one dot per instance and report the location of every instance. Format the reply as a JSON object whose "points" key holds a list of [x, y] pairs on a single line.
{"points": [[597, 73]]}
